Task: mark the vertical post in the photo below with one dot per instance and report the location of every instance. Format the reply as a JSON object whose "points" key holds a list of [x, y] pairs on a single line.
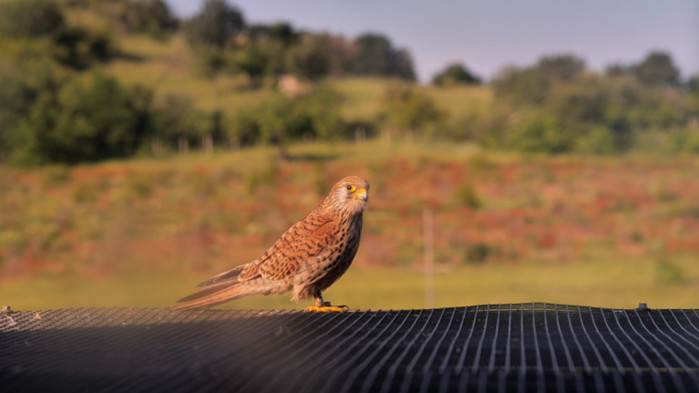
{"points": [[208, 143], [428, 255], [183, 145]]}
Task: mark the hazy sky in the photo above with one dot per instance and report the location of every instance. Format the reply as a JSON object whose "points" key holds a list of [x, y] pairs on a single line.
{"points": [[488, 35]]}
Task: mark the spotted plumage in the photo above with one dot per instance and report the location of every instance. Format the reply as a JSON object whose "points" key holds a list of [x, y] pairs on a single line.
{"points": [[307, 258]]}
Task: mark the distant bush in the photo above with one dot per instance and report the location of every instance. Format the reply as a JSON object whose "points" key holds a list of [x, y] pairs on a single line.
{"points": [[376, 56], [72, 120], [477, 253], [252, 61], [657, 69], [600, 140], [465, 194], [321, 113], [685, 140], [556, 106], [79, 122], [30, 18], [79, 48], [177, 124], [310, 58], [152, 17], [405, 108], [455, 74], [539, 133], [216, 24], [314, 116], [531, 85]]}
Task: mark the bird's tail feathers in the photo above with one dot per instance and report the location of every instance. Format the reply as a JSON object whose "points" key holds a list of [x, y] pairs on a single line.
{"points": [[221, 277], [212, 296]]}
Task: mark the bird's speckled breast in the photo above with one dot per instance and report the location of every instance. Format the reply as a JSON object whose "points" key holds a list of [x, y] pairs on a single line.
{"points": [[329, 270]]}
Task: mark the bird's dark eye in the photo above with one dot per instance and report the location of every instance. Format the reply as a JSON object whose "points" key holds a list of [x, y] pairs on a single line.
{"points": [[351, 187]]}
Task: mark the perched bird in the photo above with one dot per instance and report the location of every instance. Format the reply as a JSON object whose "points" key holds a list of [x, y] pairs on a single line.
{"points": [[308, 258]]}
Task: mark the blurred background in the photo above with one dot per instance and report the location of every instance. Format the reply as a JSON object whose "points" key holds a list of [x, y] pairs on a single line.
{"points": [[516, 152]]}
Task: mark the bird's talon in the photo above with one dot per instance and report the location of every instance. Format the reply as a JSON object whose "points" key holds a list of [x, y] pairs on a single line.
{"points": [[327, 307]]}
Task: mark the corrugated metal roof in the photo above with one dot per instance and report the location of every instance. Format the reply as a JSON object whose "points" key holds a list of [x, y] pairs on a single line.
{"points": [[508, 347]]}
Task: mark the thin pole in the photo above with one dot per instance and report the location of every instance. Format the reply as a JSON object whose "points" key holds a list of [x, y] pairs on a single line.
{"points": [[428, 249]]}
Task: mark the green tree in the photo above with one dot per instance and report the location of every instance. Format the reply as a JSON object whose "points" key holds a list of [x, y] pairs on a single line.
{"points": [[693, 84], [30, 18], [579, 104], [273, 123], [375, 56], [279, 120], [521, 86], [216, 24], [564, 67], [253, 62], [174, 120], [319, 113], [310, 58], [79, 48], [79, 122], [531, 85], [455, 74], [152, 17], [657, 68], [693, 95], [281, 31], [405, 108], [402, 65], [265, 54]]}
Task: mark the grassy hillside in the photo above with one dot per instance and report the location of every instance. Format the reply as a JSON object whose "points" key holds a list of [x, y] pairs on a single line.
{"points": [[170, 68], [567, 229]]}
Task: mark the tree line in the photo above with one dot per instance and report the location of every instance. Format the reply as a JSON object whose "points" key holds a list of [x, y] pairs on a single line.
{"points": [[56, 106]]}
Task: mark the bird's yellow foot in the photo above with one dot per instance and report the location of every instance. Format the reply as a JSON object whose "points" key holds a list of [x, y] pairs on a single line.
{"points": [[327, 307]]}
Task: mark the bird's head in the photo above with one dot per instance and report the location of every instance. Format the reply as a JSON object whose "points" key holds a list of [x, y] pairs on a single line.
{"points": [[350, 194]]}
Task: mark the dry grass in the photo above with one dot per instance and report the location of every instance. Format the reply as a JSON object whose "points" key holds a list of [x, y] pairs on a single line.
{"points": [[606, 232]]}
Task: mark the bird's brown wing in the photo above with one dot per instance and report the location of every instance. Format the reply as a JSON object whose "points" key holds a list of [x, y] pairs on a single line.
{"points": [[304, 240]]}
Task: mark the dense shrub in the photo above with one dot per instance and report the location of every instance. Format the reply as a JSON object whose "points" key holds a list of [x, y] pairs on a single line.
{"points": [[216, 24], [152, 17], [30, 18], [562, 107], [310, 58], [455, 74], [376, 56], [79, 48], [315, 116], [405, 108], [71, 120], [539, 133], [79, 122]]}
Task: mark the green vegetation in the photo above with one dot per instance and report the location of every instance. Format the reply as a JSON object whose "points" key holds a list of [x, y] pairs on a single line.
{"points": [[205, 108], [217, 82], [455, 74], [563, 107]]}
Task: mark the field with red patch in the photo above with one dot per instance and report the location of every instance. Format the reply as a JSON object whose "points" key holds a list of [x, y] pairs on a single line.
{"points": [[209, 214]]}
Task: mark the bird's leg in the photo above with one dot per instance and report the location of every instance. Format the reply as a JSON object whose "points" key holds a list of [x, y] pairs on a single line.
{"points": [[324, 306]]}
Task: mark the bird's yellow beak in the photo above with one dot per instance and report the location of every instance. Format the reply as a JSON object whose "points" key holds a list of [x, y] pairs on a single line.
{"points": [[361, 193]]}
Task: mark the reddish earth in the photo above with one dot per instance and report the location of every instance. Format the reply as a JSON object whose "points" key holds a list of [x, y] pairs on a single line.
{"points": [[112, 218]]}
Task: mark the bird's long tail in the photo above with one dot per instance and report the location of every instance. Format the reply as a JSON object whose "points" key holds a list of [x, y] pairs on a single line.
{"points": [[218, 289], [213, 295]]}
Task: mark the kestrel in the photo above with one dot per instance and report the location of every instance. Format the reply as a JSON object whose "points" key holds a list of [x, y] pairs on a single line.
{"points": [[308, 258]]}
